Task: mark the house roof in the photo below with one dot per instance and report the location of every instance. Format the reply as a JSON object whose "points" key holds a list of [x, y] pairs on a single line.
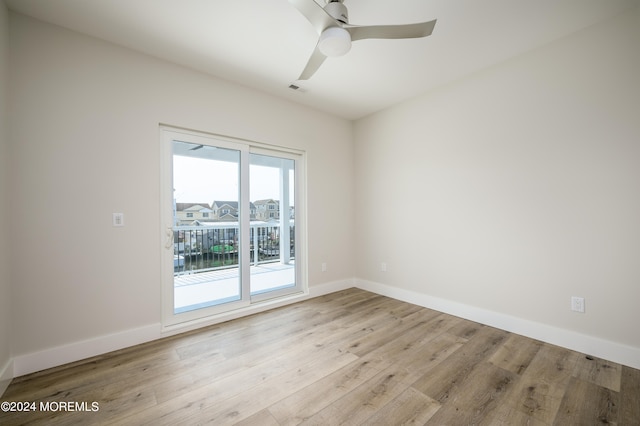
{"points": [[266, 201], [198, 207], [232, 204]]}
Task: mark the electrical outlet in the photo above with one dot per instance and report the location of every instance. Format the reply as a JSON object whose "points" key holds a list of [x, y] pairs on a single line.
{"points": [[577, 304], [118, 219], [324, 267], [383, 266]]}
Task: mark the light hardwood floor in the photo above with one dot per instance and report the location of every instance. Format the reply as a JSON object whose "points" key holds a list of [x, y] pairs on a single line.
{"points": [[350, 357]]}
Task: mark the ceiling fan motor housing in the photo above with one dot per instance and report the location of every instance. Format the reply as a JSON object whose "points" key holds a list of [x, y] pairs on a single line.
{"points": [[337, 10]]}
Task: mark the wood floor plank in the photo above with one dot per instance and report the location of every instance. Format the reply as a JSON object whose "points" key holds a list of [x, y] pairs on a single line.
{"points": [[411, 338], [479, 399], [466, 329], [222, 336], [585, 403], [303, 404], [350, 357], [539, 391], [314, 337], [420, 359], [410, 407], [220, 399], [328, 334], [506, 415], [109, 403], [453, 372], [95, 371], [389, 331], [415, 361], [364, 401], [598, 371], [629, 396], [516, 353], [261, 418], [267, 393]]}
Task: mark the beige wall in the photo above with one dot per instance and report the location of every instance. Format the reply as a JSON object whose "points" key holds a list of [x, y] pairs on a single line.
{"points": [[519, 186], [5, 290], [85, 118]]}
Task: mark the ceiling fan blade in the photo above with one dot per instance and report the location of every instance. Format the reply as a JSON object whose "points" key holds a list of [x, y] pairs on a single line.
{"points": [[318, 17], [421, 29], [316, 59]]}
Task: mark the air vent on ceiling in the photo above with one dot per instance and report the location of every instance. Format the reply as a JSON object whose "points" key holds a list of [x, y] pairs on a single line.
{"points": [[296, 88]]}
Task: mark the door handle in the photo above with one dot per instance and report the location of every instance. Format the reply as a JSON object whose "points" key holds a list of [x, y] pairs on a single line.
{"points": [[169, 242]]}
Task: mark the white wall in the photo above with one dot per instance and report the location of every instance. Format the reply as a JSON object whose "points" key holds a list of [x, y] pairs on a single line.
{"points": [[5, 290], [512, 190], [85, 143]]}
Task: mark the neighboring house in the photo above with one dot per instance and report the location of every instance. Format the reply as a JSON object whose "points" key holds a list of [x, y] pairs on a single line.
{"points": [[187, 213], [267, 210], [228, 211]]}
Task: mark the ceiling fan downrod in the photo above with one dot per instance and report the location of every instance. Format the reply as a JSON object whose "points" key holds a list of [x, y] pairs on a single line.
{"points": [[337, 10]]}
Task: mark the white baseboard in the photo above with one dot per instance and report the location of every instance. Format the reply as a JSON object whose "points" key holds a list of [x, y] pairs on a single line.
{"points": [[64, 354], [6, 374], [53, 357], [601, 348]]}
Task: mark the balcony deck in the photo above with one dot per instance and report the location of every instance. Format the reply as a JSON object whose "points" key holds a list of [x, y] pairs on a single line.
{"points": [[199, 290]]}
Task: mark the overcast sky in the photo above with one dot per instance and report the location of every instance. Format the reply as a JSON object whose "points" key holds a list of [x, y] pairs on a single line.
{"points": [[197, 180]]}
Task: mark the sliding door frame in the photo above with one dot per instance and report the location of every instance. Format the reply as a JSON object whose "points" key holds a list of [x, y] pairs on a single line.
{"points": [[248, 303]]}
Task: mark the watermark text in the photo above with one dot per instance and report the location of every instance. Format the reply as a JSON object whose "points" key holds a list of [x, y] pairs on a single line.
{"points": [[49, 406]]}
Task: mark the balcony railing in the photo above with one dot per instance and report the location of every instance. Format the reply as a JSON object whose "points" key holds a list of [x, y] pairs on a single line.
{"points": [[214, 245]]}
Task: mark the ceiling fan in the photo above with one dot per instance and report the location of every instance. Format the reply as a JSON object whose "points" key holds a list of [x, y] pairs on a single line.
{"points": [[336, 34]]}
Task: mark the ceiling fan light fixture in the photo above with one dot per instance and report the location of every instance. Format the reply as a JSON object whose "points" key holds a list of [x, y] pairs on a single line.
{"points": [[334, 41]]}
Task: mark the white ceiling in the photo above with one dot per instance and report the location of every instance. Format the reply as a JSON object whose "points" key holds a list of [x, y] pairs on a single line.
{"points": [[265, 44]]}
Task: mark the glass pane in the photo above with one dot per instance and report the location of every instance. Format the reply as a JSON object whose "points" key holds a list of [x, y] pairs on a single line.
{"points": [[205, 226], [272, 223]]}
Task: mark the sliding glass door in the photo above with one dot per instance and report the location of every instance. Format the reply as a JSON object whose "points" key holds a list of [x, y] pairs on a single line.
{"points": [[272, 183], [230, 231], [207, 247]]}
